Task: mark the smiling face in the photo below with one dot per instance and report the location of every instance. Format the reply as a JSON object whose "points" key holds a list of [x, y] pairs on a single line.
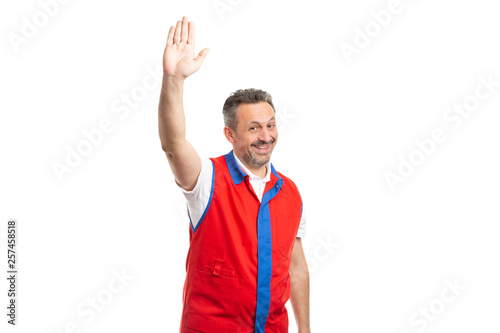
{"points": [[255, 135]]}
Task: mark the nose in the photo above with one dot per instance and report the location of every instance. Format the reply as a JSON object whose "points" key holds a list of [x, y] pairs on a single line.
{"points": [[265, 135]]}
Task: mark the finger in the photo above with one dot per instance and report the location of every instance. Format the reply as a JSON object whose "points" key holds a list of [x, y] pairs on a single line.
{"points": [[184, 34], [191, 34], [177, 34], [170, 38], [201, 56]]}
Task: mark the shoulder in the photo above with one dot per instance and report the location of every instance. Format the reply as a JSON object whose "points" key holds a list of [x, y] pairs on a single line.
{"points": [[218, 163], [221, 160]]}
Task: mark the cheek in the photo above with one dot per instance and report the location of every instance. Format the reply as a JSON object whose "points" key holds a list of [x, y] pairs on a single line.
{"points": [[249, 140], [244, 141]]}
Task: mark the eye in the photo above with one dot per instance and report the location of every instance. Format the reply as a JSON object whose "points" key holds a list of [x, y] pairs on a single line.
{"points": [[271, 125], [253, 128]]}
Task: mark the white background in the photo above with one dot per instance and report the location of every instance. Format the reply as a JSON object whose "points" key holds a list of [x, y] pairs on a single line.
{"points": [[343, 125]]}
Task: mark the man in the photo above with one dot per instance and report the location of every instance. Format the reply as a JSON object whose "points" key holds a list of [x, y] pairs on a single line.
{"points": [[245, 258]]}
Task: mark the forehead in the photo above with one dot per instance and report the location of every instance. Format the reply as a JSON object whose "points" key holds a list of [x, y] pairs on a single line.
{"points": [[260, 112]]}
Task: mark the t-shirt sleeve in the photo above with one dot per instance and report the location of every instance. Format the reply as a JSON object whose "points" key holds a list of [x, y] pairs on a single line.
{"points": [[199, 196], [302, 227]]}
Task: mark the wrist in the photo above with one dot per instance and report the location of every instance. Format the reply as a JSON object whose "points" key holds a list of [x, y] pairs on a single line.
{"points": [[173, 79]]}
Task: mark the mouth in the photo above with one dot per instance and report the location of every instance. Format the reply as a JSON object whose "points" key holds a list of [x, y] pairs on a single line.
{"points": [[262, 149]]}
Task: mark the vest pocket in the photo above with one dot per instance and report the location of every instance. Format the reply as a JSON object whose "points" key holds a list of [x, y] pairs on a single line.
{"points": [[218, 280], [214, 302]]}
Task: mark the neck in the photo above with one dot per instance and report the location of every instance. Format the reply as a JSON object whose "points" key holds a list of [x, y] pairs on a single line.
{"points": [[261, 172]]}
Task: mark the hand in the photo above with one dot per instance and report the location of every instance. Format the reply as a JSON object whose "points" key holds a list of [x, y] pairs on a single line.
{"points": [[178, 58]]}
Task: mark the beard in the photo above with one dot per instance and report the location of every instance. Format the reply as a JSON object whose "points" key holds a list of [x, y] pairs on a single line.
{"points": [[256, 160]]}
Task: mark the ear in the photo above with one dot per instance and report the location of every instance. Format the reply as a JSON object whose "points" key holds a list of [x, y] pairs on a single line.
{"points": [[230, 134]]}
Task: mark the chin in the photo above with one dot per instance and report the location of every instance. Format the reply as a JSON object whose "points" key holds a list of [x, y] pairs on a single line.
{"points": [[262, 159]]}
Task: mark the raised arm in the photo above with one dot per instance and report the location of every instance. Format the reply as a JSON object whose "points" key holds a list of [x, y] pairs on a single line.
{"points": [[179, 62]]}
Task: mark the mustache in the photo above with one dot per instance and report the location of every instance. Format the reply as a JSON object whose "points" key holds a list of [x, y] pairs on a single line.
{"points": [[260, 143]]}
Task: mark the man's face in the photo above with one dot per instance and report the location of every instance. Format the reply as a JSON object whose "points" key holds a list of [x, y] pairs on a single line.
{"points": [[256, 134]]}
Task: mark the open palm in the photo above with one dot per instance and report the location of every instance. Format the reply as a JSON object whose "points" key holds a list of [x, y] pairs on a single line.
{"points": [[178, 58]]}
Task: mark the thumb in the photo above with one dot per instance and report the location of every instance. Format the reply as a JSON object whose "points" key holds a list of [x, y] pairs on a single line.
{"points": [[201, 56]]}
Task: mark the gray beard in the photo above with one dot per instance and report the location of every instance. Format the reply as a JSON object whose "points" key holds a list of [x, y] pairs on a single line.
{"points": [[254, 161]]}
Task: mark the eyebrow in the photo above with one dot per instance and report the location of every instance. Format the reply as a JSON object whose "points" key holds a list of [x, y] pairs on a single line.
{"points": [[258, 123]]}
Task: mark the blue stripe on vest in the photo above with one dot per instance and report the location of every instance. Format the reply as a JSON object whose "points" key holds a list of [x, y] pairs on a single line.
{"points": [[265, 258], [236, 173]]}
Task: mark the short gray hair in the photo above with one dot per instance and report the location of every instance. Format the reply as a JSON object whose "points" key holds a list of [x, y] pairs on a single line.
{"points": [[250, 96]]}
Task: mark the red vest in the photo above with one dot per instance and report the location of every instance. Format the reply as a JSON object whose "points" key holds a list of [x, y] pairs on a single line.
{"points": [[239, 255]]}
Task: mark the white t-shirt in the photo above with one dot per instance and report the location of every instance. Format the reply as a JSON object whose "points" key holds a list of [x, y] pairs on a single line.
{"points": [[198, 197]]}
